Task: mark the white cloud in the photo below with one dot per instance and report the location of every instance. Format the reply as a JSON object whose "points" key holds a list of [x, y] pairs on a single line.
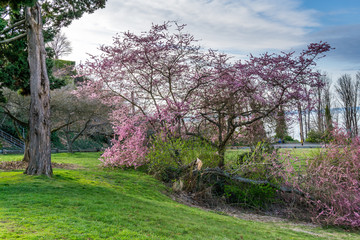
{"points": [[242, 26]]}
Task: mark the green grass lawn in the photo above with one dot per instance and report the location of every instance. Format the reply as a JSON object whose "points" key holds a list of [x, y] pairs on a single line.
{"points": [[301, 154], [95, 203]]}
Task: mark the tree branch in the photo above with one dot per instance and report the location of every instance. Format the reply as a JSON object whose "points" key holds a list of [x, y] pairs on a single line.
{"points": [[62, 126], [201, 138], [283, 188], [209, 119], [18, 131], [7, 112], [13, 38], [81, 132], [9, 28]]}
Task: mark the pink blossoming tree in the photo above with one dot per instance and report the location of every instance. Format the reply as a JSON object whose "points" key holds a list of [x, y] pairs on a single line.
{"points": [[165, 79], [329, 183]]}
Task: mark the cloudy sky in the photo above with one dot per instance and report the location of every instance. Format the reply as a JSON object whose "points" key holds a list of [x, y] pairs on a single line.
{"points": [[236, 27]]}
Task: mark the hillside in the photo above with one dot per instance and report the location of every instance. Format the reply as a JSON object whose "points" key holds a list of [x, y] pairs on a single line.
{"points": [[84, 201]]}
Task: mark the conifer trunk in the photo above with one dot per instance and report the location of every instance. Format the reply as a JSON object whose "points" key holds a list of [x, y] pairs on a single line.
{"points": [[39, 146]]}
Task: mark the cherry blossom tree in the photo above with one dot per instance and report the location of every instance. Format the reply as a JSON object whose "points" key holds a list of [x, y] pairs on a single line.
{"points": [[174, 86]]}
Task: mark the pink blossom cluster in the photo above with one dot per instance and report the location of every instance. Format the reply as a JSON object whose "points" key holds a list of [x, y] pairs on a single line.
{"points": [[335, 182], [129, 142], [164, 78], [330, 183]]}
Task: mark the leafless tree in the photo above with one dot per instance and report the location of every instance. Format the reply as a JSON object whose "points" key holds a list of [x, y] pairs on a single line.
{"points": [[72, 116], [348, 92], [323, 97], [76, 117], [61, 45]]}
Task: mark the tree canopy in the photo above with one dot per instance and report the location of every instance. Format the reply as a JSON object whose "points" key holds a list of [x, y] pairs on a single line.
{"points": [[178, 89], [14, 71], [31, 18]]}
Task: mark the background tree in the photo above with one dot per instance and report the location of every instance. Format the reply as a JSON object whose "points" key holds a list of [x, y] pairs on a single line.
{"points": [[315, 120], [281, 126], [181, 90], [327, 104], [16, 108], [61, 45], [301, 122], [348, 92], [76, 116], [328, 120], [25, 17], [71, 115], [256, 133], [322, 100]]}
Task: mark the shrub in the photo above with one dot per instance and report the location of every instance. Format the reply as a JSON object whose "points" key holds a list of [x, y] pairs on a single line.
{"points": [[315, 137], [289, 139], [334, 183], [55, 141], [255, 164], [167, 156], [250, 195], [330, 183], [129, 143], [86, 143]]}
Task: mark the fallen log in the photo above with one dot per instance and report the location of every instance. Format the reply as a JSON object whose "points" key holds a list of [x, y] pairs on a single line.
{"points": [[236, 178]]}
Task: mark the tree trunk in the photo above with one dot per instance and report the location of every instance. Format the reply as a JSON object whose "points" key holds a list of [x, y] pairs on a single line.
{"points": [[320, 110], [221, 152], [305, 124], [328, 119], [301, 125], [356, 92], [308, 122], [69, 147], [39, 147], [69, 142]]}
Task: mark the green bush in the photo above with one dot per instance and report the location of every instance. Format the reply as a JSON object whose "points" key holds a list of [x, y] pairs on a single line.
{"points": [[315, 137], [255, 165], [166, 158], [86, 143], [256, 154], [58, 63], [55, 141], [289, 139], [250, 195]]}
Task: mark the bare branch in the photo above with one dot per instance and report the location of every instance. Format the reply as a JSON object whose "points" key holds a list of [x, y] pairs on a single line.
{"points": [[283, 188], [63, 125]]}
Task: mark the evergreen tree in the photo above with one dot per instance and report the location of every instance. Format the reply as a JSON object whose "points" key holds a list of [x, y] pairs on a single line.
{"points": [[281, 127], [328, 119], [24, 18]]}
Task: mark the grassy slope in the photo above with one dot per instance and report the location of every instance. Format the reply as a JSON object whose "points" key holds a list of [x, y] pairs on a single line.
{"points": [[92, 203]]}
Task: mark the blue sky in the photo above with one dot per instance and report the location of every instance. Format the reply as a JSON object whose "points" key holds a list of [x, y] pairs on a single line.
{"points": [[339, 24], [237, 27], [335, 12]]}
